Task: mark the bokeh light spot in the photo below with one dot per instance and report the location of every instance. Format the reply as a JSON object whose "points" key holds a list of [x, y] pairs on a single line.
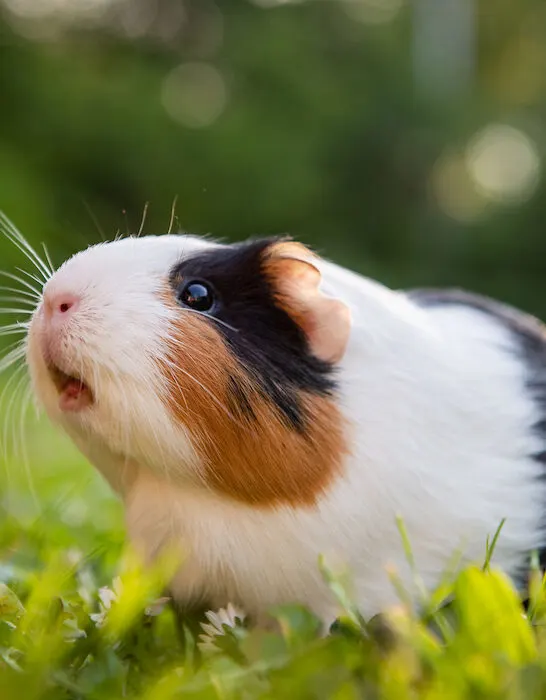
{"points": [[139, 18], [275, 3], [504, 164], [194, 94], [34, 9], [373, 11], [454, 190]]}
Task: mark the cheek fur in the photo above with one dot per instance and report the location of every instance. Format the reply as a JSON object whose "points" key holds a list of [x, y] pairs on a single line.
{"points": [[248, 451]]}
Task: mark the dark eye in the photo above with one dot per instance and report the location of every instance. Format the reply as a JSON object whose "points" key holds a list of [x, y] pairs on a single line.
{"points": [[197, 295]]}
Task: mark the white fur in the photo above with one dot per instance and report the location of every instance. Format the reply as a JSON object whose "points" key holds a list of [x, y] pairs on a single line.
{"points": [[440, 435]]}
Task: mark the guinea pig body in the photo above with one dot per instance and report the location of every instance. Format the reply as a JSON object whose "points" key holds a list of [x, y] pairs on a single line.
{"points": [[259, 406]]}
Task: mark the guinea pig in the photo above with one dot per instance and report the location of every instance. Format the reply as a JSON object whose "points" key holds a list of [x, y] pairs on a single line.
{"points": [[260, 406]]}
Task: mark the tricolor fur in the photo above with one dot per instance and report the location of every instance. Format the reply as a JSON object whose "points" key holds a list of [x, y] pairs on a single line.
{"points": [[299, 416]]}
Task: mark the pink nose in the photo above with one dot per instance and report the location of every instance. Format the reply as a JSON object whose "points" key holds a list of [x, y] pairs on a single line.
{"points": [[59, 305]]}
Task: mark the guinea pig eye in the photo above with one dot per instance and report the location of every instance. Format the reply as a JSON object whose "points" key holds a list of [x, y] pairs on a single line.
{"points": [[196, 295]]}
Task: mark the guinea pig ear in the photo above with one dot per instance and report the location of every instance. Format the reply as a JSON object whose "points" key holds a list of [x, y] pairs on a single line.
{"points": [[326, 322]]}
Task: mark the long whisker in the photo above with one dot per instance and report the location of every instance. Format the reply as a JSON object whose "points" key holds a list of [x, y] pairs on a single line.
{"points": [[13, 310], [216, 400], [143, 221], [25, 403], [31, 295], [200, 435], [4, 447], [182, 393], [12, 357], [48, 258], [42, 270], [16, 344], [8, 413], [31, 276], [20, 343], [127, 228], [14, 328], [17, 238], [173, 215], [94, 220], [12, 233], [211, 318], [22, 281], [16, 377], [18, 300], [12, 378], [8, 422]]}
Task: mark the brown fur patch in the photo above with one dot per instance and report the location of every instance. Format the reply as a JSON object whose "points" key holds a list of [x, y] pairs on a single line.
{"points": [[248, 450]]}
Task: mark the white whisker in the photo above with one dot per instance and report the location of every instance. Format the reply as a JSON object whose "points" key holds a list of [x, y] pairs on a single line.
{"points": [[18, 443], [211, 318], [17, 238], [13, 328], [20, 343], [31, 276], [13, 356], [42, 270], [21, 299], [173, 215], [18, 300], [173, 377], [143, 221], [21, 292], [23, 413], [16, 344], [22, 281], [216, 400], [48, 258], [17, 377], [9, 422], [13, 310], [94, 220], [15, 373]]}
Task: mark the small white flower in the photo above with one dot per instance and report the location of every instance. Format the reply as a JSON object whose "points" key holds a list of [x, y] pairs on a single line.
{"points": [[107, 596], [157, 606], [228, 617]]}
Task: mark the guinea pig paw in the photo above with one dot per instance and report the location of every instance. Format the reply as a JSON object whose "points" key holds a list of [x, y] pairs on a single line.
{"points": [[219, 622]]}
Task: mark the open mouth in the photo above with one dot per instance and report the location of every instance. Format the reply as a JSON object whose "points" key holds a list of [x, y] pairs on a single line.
{"points": [[74, 393]]}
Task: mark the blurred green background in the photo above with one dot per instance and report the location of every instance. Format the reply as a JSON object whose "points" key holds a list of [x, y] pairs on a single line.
{"points": [[403, 138]]}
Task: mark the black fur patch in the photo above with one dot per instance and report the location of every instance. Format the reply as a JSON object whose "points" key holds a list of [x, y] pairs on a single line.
{"points": [[269, 345], [530, 336]]}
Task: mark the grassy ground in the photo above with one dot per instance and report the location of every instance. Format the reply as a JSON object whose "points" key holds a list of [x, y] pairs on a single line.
{"points": [[77, 623]]}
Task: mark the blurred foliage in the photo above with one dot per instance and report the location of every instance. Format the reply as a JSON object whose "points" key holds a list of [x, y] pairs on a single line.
{"points": [[64, 634], [402, 140], [316, 118]]}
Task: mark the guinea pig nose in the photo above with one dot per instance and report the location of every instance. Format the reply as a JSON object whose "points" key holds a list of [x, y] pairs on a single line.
{"points": [[62, 304]]}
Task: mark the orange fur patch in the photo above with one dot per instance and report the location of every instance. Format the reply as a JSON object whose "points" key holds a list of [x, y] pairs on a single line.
{"points": [[325, 321], [248, 450]]}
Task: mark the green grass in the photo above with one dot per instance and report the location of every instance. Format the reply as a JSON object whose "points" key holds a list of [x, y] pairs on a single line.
{"points": [[80, 619]]}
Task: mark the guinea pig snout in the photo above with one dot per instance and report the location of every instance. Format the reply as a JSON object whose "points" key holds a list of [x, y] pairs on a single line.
{"points": [[59, 306], [57, 319], [60, 345]]}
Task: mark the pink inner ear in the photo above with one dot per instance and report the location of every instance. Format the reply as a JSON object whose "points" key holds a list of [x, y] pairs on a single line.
{"points": [[325, 321], [330, 335]]}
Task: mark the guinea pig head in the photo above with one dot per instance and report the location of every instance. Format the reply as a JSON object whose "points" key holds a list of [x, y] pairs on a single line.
{"points": [[203, 362]]}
